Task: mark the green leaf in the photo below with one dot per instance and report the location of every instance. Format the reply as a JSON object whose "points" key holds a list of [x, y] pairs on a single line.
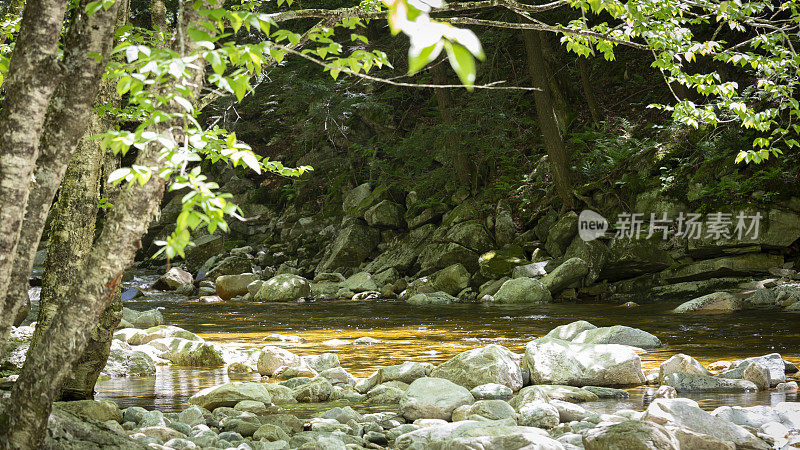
{"points": [[123, 85], [93, 7], [118, 175], [462, 62], [251, 161], [420, 59]]}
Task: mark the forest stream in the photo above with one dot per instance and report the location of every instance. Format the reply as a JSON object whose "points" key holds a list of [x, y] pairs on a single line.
{"points": [[435, 334]]}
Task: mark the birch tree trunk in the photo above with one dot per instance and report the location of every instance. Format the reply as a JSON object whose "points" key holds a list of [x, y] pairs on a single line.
{"points": [[32, 77], [64, 125], [91, 292]]}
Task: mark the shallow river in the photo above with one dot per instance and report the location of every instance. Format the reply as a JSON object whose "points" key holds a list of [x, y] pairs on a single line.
{"points": [[434, 334]]}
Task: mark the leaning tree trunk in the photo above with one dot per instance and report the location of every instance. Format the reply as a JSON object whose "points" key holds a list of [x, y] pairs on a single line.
{"points": [[463, 164], [63, 127], [71, 237], [72, 232], [92, 290], [32, 77], [548, 122]]}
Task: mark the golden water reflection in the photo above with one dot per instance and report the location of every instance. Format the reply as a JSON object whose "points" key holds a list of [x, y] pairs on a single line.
{"points": [[434, 334]]}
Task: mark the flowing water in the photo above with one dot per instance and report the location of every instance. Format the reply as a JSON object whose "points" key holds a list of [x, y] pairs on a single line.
{"points": [[434, 334]]}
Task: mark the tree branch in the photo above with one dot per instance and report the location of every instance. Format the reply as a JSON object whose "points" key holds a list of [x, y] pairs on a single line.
{"points": [[542, 27], [490, 86], [362, 13]]}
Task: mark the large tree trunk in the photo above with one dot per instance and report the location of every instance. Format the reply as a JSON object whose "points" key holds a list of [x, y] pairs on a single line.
{"points": [[63, 127], [72, 233], [548, 122], [462, 163], [92, 290], [32, 77]]}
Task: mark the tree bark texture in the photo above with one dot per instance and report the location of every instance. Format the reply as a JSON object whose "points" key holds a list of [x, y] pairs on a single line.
{"points": [[92, 290], [462, 163], [32, 78], [71, 236], [63, 127], [548, 122], [588, 93]]}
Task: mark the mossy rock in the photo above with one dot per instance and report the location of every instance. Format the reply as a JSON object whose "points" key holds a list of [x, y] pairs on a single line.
{"points": [[499, 263]]}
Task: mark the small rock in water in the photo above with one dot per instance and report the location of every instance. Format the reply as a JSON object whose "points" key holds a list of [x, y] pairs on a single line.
{"points": [[718, 366], [666, 392], [131, 294], [629, 305], [288, 338], [366, 340], [237, 367], [335, 342], [491, 391]]}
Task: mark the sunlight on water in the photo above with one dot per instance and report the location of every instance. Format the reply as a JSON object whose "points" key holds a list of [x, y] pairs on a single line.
{"points": [[435, 334]]}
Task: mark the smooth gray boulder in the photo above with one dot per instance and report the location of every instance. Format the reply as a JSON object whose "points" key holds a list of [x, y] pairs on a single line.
{"points": [[686, 414], [433, 398], [433, 298], [714, 302], [618, 334], [630, 435], [692, 382], [772, 362], [490, 364], [229, 286], [489, 409], [452, 279], [229, 394], [570, 272], [539, 414], [571, 330], [271, 358], [680, 363], [522, 290], [173, 279], [491, 391], [471, 434], [555, 361], [285, 287]]}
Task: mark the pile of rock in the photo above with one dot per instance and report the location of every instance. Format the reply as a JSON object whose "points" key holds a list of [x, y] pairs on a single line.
{"points": [[388, 242], [487, 397]]}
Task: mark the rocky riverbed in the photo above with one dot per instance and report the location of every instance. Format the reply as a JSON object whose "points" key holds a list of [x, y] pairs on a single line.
{"points": [[486, 397]]}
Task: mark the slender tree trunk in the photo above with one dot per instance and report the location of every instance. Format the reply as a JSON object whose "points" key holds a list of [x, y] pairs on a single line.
{"points": [[92, 290], [63, 127], [548, 123], [560, 105], [463, 164], [158, 18], [32, 77], [588, 93]]}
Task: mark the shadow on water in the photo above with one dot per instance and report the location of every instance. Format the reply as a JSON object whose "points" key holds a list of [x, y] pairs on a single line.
{"points": [[434, 334]]}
